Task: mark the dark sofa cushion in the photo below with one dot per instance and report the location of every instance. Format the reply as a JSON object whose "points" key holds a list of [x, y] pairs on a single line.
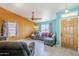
{"points": [[13, 49]]}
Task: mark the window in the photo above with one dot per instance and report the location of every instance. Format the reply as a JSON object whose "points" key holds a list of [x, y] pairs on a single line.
{"points": [[10, 29], [45, 28]]}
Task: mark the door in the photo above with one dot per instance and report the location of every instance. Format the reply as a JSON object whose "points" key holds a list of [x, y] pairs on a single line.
{"points": [[69, 33]]}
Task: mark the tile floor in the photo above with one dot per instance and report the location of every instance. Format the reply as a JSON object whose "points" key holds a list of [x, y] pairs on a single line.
{"points": [[58, 51], [44, 50]]}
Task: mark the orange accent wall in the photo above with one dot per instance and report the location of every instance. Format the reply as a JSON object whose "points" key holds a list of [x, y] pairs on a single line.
{"points": [[25, 26]]}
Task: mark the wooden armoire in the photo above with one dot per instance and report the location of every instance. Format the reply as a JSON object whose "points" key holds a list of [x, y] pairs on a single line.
{"points": [[69, 32]]}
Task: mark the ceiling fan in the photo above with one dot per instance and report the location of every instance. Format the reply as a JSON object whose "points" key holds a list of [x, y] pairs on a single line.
{"points": [[33, 16]]}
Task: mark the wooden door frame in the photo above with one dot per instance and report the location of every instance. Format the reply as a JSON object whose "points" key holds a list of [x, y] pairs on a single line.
{"points": [[60, 29], [78, 33]]}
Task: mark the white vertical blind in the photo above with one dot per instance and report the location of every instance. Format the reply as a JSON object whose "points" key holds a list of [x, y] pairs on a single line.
{"points": [[45, 28], [10, 29]]}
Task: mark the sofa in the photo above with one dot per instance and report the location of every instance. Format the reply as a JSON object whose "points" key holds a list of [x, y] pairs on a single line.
{"points": [[49, 39], [15, 49]]}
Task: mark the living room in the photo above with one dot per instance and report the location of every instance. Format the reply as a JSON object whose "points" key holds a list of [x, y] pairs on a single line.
{"points": [[39, 29]]}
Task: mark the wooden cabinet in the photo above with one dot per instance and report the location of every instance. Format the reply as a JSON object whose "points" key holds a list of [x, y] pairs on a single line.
{"points": [[69, 33]]}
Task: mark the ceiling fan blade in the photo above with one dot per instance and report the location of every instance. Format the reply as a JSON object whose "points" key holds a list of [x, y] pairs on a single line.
{"points": [[36, 18]]}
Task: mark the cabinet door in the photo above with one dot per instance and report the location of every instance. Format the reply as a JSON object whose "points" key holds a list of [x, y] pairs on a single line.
{"points": [[75, 29], [69, 33], [63, 33]]}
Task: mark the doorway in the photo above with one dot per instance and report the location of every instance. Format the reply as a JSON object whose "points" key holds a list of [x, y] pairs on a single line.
{"points": [[69, 33]]}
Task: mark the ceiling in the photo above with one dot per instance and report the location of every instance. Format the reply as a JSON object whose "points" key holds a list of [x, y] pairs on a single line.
{"points": [[46, 11]]}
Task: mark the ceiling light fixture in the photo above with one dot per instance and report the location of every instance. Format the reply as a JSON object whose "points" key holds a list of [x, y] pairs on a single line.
{"points": [[69, 14], [66, 9]]}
